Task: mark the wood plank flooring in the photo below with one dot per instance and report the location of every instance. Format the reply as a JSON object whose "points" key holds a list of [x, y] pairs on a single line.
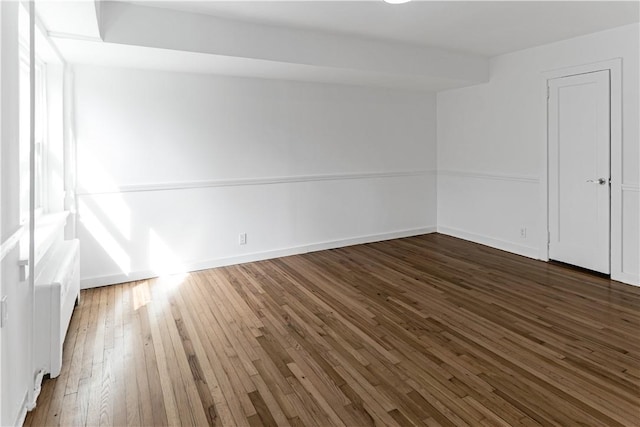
{"points": [[427, 330]]}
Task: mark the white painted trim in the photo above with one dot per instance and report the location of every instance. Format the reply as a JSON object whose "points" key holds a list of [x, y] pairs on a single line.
{"points": [[616, 168], [47, 224], [503, 245], [621, 276], [258, 256], [47, 228], [47, 44], [22, 415], [543, 238], [31, 399], [70, 36], [626, 278], [630, 187], [527, 251], [483, 175], [252, 181], [615, 71], [582, 69], [37, 388], [11, 242]]}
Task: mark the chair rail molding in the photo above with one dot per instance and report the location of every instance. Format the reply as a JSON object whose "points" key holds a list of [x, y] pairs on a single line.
{"points": [[485, 175], [183, 185]]}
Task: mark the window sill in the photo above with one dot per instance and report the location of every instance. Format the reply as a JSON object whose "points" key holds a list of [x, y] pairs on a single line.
{"points": [[47, 228]]}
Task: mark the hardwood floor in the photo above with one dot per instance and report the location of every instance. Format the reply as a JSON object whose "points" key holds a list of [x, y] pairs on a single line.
{"points": [[427, 330]]}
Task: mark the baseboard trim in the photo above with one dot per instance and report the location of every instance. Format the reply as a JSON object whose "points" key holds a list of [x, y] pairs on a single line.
{"points": [[626, 278], [37, 388], [527, 251], [94, 282]]}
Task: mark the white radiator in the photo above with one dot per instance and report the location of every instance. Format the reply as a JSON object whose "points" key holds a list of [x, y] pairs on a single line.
{"points": [[56, 292]]}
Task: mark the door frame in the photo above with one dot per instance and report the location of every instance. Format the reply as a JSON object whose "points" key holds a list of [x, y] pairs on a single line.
{"points": [[615, 72]]}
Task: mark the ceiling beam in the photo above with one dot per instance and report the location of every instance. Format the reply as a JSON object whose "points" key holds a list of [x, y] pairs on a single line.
{"points": [[137, 25]]}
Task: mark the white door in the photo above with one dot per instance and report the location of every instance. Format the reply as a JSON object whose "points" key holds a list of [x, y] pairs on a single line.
{"points": [[579, 170]]}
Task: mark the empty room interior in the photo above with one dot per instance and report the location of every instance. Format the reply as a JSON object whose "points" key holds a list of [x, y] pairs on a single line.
{"points": [[320, 213]]}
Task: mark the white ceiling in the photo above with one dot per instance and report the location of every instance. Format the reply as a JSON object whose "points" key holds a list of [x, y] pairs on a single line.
{"points": [[77, 18], [480, 27], [366, 42]]}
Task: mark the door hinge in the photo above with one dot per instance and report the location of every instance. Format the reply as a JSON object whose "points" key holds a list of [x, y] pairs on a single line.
{"points": [[548, 238], [548, 92]]}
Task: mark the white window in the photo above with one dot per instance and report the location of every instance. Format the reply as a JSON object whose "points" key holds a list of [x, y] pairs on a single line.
{"points": [[40, 173], [24, 132]]}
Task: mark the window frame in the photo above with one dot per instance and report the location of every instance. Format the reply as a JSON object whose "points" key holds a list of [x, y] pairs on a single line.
{"points": [[41, 172]]}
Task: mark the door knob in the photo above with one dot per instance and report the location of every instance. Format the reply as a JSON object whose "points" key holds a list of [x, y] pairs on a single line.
{"points": [[601, 181]]}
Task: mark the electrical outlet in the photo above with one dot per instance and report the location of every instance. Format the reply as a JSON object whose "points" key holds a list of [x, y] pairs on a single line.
{"points": [[523, 233], [242, 238]]}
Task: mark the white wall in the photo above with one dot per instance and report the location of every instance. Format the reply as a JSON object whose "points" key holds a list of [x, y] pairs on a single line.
{"points": [[173, 166], [491, 140]]}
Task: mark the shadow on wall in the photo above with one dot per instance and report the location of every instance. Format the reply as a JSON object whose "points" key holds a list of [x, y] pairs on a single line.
{"points": [[108, 219]]}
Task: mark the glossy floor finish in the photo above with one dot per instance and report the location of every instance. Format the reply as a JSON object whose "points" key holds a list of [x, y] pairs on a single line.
{"points": [[428, 330]]}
